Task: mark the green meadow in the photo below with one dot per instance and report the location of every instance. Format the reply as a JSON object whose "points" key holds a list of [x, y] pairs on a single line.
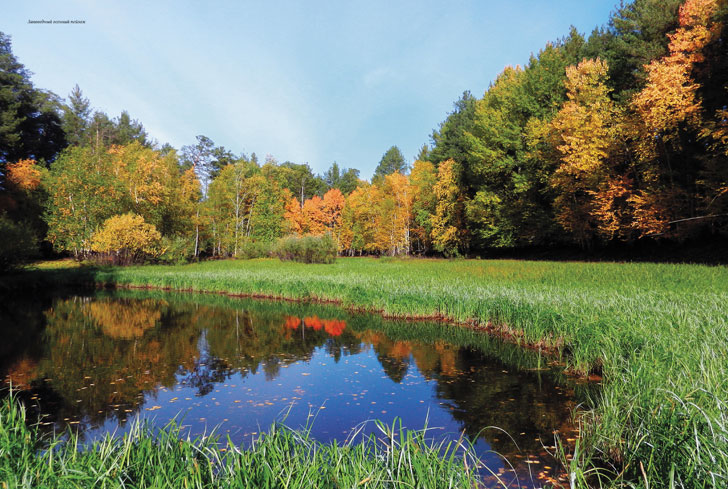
{"points": [[657, 334]]}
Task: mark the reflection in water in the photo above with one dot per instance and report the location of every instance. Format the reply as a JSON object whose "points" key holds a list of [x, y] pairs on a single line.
{"points": [[94, 362]]}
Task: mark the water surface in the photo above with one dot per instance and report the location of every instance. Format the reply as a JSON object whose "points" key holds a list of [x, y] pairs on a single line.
{"points": [[95, 362]]}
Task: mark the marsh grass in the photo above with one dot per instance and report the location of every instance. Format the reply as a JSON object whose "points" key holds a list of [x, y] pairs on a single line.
{"points": [[657, 333], [280, 458]]}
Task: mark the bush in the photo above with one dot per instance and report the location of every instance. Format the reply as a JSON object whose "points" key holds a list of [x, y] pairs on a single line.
{"points": [[126, 239], [307, 249], [18, 243], [176, 250], [255, 249]]}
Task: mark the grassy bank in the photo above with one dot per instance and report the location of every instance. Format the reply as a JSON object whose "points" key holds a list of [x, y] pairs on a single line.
{"points": [[657, 333], [282, 458]]}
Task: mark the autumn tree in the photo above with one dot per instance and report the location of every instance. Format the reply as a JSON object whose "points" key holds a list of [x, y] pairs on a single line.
{"points": [[359, 220], [314, 217], [333, 204], [393, 204], [82, 194], [507, 165], [449, 235], [85, 187], [670, 117], [126, 239], [586, 131], [422, 180]]}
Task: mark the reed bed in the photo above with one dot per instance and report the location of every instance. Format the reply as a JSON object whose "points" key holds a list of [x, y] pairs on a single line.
{"points": [[281, 458]]}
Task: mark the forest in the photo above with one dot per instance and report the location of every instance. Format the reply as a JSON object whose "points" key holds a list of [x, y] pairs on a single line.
{"points": [[620, 136]]}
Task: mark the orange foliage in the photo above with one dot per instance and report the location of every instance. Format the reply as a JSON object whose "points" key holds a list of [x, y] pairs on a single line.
{"points": [[294, 216], [22, 373], [334, 327], [333, 203], [292, 322], [400, 349], [670, 96], [314, 216], [24, 174], [313, 322], [651, 212], [610, 207]]}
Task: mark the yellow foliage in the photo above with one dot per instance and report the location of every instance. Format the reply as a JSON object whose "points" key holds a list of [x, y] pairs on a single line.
{"points": [[127, 238], [448, 226], [125, 320], [586, 131]]}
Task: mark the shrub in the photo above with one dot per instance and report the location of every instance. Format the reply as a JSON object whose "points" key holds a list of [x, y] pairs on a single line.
{"points": [[176, 250], [126, 239], [255, 249], [17, 245], [307, 249]]}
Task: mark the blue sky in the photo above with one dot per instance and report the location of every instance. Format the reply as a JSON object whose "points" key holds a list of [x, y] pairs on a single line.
{"points": [[309, 81]]}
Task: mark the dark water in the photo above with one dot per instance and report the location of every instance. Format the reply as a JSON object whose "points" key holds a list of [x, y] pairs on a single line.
{"points": [[98, 361]]}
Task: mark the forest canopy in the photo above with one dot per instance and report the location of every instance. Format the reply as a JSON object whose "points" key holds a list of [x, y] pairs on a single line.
{"points": [[616, 137]]}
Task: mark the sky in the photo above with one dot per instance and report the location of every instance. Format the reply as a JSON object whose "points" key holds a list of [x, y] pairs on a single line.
{"points": [[309, 82]]}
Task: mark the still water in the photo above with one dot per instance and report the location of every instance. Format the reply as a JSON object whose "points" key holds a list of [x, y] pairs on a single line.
{"points": [[95, 362]]}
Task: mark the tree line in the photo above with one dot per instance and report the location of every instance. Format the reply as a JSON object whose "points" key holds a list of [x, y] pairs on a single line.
{"points": [[616, 137]]}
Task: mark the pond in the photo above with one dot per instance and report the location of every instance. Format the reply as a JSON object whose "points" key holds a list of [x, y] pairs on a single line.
{"points": [[96, 361]]}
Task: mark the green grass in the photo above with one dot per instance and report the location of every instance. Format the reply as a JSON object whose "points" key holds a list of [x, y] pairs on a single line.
{"points": [[281, 458], [657, 332]]}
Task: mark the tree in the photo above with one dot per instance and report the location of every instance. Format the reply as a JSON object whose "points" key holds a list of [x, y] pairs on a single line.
{"points": [[150, 182], [229, 204], [391, 162], [636, 34], [504, 173], [200, 157], [126, 239], [449, 235], [344, 179], [587, 131], [128, 130], [394, 215], [76, 117], [267, 215], [670, 120], [82, 193], [85, 187], [422, 179], [448, 142], [670, 96], [333, 204], [294, 216], [349, 181], [30, 119], [332, 176], [300, 180], [359, 220], [314, 216]]}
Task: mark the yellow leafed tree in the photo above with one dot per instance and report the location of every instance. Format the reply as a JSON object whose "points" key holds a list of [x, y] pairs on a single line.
{"points": [[126, 239], [449, 235]]}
